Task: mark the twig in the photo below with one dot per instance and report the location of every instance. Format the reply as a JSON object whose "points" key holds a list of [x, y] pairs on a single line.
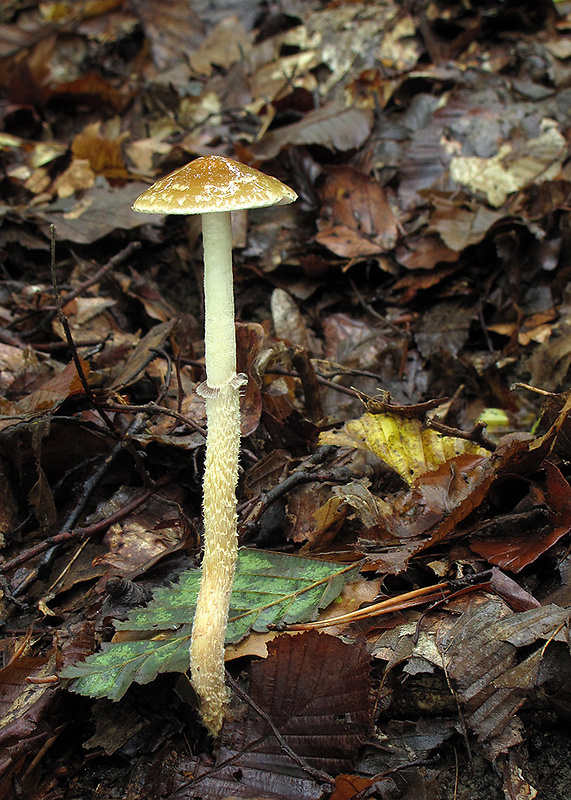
{"points": [[531, 388], [89, 486], [78, 534], [193, 362], [298, 477], [322, 381], [155, 408], [51, 311], [475, 435], [113, 262], [74, 354]]}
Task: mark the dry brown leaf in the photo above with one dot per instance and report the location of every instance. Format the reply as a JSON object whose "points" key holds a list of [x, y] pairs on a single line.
{"points": [[102, 209], [458, 221], [227, 43], [172, 29], [357, 219], [105, 156], [145, 537], [77, 177], [332, 126], [512, 168]]}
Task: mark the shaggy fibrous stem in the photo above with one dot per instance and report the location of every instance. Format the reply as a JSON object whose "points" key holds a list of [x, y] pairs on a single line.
{"points": [[222, 393], [220, 552]]}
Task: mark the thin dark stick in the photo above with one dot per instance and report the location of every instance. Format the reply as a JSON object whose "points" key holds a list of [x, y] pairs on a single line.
{"points": [[297, 478], [179, 386], [79, 534], [51, 552], [475, 435], [113, 262], [167, 381], [74, 354], [155, 408], [289, 373], [322, 381], [50, 311]]}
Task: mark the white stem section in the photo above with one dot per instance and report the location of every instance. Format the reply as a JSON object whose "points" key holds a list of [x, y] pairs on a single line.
{"points": [[220, 552], [219, 330]]}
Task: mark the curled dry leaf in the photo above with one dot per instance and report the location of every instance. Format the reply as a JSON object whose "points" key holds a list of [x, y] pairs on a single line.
{"points": [[332, 126], [357, 219]]}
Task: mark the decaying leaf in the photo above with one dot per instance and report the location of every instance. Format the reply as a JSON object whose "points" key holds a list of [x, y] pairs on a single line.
{"points": [[404, 444], [480, 653], [47, 398], [315, 691], [357, 218], [23, 711]]}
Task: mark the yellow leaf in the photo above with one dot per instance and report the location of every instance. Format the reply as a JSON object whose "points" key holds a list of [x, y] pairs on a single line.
{"points": [[403, 443]]}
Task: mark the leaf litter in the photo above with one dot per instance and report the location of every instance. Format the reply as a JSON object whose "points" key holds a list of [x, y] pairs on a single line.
{"points": [[423, 273]]}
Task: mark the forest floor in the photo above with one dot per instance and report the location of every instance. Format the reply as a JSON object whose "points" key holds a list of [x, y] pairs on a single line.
{"points": [[399, 626]]}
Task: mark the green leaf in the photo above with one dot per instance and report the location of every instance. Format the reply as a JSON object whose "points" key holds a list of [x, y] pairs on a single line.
{"points": [[269, 589]]}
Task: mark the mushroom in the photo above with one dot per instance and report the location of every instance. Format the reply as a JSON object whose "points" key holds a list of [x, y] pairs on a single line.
{"points": [[214, 186]]}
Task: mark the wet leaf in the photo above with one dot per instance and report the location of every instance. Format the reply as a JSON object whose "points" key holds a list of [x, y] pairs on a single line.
{"points": [[302, 686], [250, 340], [47, 398], [458, 222], [514, 552], [445, 327]]}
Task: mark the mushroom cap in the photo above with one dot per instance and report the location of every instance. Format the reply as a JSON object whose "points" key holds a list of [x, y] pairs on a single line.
{"points": [[213, 183]]}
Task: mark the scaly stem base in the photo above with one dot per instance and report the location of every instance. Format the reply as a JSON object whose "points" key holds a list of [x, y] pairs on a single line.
{"points": [[220, 552]]}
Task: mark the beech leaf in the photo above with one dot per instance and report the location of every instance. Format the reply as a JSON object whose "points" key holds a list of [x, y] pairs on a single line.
{"points": [[404, 444], [316, 690]]}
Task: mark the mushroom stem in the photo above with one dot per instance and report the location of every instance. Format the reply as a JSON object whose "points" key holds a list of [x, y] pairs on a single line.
{"points": [[219, 329], [220, 551], [222, 393]]}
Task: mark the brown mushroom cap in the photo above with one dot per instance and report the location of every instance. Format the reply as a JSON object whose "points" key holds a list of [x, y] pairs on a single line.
{"points": [[210, 184]]}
